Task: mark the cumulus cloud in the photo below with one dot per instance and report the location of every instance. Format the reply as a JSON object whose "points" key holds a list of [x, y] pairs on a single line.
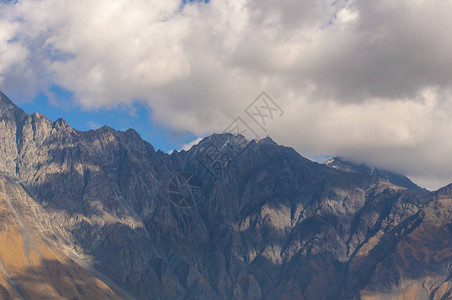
{"points": [[368, 80]]}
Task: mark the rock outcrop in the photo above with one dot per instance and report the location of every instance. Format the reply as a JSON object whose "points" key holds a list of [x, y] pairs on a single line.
{"points": [[269, 223]]}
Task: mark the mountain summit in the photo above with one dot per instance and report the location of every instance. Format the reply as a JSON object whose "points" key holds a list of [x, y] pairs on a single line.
{"points": [[101, 214]]}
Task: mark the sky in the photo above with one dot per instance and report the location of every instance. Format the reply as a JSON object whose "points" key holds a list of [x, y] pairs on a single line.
{"points": [[366, 80]]}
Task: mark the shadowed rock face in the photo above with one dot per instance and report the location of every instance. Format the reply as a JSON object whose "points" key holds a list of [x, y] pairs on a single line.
{"points": [[270, 224], [34, 260]]}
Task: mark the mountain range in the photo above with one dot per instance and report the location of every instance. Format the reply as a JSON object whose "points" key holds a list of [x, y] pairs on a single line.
{"points": [[103, 215]]}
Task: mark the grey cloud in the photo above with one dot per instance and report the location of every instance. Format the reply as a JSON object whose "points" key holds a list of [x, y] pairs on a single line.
{"points": [[364, 79]]}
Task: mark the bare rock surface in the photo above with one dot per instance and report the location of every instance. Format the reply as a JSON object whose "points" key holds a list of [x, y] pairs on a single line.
{"points": [[270, 224]]}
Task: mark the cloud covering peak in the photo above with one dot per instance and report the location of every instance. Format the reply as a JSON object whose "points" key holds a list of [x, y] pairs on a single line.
{"points": [[368, 80]]}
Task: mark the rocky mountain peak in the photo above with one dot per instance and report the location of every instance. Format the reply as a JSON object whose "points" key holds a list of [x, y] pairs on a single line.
{"points": [[447, 190], [133, 132], [262, 222], [61, 123], [4, 100], [8, 107]]}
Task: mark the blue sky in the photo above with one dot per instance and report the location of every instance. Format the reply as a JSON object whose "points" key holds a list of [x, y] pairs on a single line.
{"points": [[58, 102], [373, 86], [136, 116]]}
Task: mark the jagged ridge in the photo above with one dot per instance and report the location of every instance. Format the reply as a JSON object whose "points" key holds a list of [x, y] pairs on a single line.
{"points": [[270, 224]]}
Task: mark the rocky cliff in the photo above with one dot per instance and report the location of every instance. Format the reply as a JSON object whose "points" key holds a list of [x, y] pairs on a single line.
{"points": [[228, 219]]}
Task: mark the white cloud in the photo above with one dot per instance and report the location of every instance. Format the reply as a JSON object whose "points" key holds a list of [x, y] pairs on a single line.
{"points": [[93, 125], [347, 16], [188, 146], [363, 79]]}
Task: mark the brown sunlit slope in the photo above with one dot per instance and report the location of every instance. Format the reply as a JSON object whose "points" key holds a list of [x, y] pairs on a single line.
{"points": [[270, 224], [30, 266], [420, 266]]}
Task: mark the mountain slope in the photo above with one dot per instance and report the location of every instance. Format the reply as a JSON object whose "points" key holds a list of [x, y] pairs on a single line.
{"points": [[417, 257], [269, 223], [32, 266]]}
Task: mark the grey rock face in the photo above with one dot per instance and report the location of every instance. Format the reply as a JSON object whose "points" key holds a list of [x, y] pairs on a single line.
{"points": [[270, 224]]}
